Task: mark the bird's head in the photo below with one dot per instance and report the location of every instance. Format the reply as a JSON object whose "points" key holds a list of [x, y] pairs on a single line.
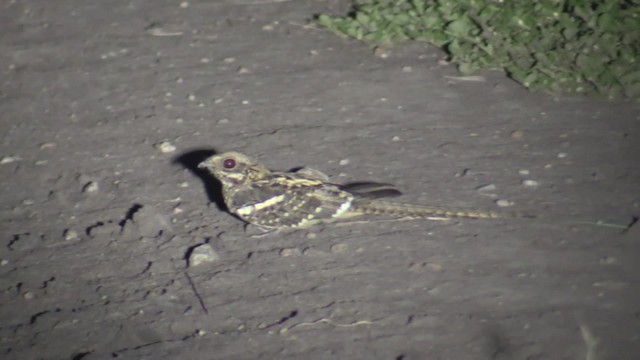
{"points": [[233, 168]]}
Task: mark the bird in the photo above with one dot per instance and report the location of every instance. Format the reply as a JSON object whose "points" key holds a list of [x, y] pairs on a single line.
{"points": [[273, 200]]}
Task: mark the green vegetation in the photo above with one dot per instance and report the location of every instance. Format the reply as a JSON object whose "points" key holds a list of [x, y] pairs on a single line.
{"points": [[580, 46]]}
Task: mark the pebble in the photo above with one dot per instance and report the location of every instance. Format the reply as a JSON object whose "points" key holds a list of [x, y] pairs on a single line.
{"points": [[344, 162], [9, 159], [165, 147], [530, 183], [339, 248], [517, 134], [90, 187], [396, 138], [523, 172], [380, 52], [28, 295], [504, 203], [562, 155], [203, 254], [487, 187], [242, 70], [223, 121], [4, 262], [290, 252], [47, 145], [407, 69], [70, 234], [608, 260]]}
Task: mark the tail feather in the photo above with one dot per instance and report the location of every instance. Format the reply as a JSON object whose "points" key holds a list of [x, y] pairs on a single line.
{"points": [[378, 207]]}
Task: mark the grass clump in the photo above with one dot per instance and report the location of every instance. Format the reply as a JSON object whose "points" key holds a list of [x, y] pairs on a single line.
{"points": [[576, 46]]}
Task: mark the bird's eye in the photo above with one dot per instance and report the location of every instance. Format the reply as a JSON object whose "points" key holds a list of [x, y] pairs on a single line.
{"points": [[229, 163]]}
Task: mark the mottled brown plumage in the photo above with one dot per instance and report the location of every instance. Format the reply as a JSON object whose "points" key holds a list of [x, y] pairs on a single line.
{"points": [[277, 200]]}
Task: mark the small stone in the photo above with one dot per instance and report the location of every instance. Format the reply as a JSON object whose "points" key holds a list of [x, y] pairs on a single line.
{"points": [[313, 252], [201, 333], [344, 162], [245, 102], [28, 295], [165, 147], [203, 254], [70, 235], [229, 60], [407, 69], [223, 121], [9, 159], [396, 138], [290, 252], [28, 202], [523, 172], [268, 27], [504, 203], [380, 52], [530, 183], [205, 61], [517, 134], [311, 235], [184, 184], [184, 4], [487, 187], [4, 262], [90, 187], [339, 248], [434, 267], [47, 145], [191, 97], [242, 70], [314, 52], [608, 260], [562, 155]]}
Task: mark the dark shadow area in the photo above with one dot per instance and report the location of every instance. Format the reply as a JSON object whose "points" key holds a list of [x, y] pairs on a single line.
{"points": [[190, 160]]}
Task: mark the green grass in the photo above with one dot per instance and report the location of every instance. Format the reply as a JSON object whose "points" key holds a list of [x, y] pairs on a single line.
{"points": [[559, 46]]}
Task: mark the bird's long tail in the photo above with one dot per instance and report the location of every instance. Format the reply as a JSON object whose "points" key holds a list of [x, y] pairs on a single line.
{"points": [[388, 208]]}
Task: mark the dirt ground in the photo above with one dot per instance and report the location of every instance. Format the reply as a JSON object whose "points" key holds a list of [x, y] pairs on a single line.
{"points": [[113, 246]]}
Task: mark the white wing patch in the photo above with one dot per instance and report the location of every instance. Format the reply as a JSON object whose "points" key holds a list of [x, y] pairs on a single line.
{"points": [[342, 209], [248, 209]]}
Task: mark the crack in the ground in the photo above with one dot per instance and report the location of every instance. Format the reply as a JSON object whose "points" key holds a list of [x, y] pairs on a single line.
{"points": [[36, 316], [284, 319], [129, 215], [89, 229]]}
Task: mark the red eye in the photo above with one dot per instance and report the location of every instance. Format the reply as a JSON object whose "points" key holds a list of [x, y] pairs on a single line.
{"points": [[229, 163]]}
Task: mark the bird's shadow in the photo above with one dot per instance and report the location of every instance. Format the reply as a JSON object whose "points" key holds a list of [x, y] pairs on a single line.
{"points": [[190, 161]]}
